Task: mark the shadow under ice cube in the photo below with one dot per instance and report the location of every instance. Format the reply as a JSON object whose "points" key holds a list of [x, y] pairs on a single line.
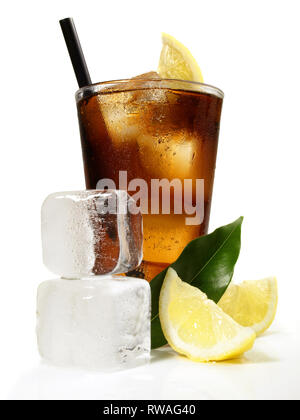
{"points": [[96, 323]]}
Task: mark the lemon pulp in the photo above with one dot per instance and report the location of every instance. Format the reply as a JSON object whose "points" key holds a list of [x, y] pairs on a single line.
{"points": [[196, 327]]}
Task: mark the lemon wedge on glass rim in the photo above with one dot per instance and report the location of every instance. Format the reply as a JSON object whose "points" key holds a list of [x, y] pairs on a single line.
{"points": [[252, 303], [176, 61], [197, 327]]}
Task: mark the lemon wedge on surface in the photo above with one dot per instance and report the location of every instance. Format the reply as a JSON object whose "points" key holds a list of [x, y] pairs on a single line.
{"points": [[196, 327], [176, 62], [252, 303]]}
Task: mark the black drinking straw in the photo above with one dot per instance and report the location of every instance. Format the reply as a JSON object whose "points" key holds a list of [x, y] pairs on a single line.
{"points": [[75, 52]]}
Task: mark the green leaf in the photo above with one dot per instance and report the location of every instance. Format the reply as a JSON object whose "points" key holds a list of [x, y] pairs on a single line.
{"points": [[206, 262]]}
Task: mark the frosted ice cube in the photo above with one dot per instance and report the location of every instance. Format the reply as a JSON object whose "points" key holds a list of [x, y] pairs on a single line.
{"points": [[95, 323], [91, 232]]}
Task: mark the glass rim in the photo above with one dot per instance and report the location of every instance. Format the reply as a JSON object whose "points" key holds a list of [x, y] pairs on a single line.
{"points": [[176, 84]]}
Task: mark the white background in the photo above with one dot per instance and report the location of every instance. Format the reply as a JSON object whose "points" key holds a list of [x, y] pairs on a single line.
{"points": [[250, 49]]}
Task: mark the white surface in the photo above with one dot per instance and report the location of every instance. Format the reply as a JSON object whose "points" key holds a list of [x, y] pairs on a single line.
{"points": [[250, 50], [270, 371]]}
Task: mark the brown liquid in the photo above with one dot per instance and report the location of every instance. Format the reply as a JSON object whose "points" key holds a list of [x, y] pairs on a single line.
{"points": [[153, 133]]}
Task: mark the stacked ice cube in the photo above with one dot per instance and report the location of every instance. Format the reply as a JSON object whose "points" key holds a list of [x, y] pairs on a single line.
{"points": [[91, 317]]}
